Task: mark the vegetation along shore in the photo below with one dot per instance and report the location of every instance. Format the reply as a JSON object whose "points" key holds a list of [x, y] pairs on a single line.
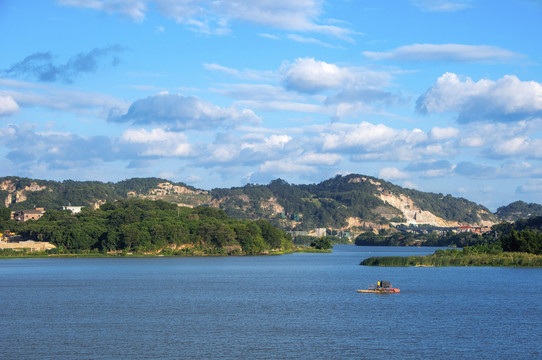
{"points": [[519, 244], [139, 227]]}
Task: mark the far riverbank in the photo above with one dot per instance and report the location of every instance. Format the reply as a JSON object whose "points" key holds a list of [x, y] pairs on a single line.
{"points": [[457, 258]]}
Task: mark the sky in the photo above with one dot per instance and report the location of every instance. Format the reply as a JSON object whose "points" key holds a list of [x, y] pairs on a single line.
{"points": [[442, 96]]}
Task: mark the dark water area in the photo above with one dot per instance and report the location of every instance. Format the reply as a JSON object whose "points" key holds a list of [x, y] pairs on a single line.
{"points": [[299, 306]]}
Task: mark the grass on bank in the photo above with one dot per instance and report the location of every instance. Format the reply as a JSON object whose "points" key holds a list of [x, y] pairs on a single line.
{"points": [[455, 257]]}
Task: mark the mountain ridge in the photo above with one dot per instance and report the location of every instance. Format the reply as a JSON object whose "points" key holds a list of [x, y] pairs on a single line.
{"points": [[351, 203]]}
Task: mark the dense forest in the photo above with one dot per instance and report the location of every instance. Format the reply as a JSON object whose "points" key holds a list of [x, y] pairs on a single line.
{"points": [[150, 226], [519, 210]]}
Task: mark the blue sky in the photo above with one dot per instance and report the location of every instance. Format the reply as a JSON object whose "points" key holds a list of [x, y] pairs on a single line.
{"points": [[442, 96]]}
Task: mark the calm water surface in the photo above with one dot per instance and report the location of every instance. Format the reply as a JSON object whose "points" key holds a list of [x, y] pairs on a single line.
{"points": [[299, 306]]}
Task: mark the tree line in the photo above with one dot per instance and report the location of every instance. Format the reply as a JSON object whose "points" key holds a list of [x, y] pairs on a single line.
{"points": [[150, 226]]}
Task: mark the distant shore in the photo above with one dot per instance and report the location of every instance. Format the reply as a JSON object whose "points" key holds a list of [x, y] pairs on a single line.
{"points": [[31, 249], [512, 259]]}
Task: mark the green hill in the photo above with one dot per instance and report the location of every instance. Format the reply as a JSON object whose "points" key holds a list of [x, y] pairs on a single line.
{"points": [[519, 210], [352, 203]]}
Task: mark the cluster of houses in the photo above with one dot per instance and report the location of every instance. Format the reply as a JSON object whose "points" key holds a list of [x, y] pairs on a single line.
{"points": [[443, 230], [35, 214]]}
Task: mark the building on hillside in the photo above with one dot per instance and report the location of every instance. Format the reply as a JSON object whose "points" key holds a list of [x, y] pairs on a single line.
{"points": [[24, 215], [463, 229], [73, 209], [321, 232]]}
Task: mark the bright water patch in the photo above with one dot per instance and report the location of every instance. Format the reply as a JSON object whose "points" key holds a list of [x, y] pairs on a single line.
{"points": [[299, 306]]}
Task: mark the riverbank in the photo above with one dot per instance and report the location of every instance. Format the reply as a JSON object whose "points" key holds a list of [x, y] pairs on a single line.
{"points": [[512, 259], [44, 251]]}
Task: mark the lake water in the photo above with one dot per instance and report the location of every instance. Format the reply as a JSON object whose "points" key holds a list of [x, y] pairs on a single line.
{"points": [[299, 306]]}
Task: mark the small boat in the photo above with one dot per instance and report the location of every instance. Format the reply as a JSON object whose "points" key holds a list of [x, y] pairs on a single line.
{"points": [[381, 287]]}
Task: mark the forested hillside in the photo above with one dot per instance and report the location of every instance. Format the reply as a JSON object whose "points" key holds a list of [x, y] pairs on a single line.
{"points": [[519, 210], [353, 203], [151, 226], [335, 202]]}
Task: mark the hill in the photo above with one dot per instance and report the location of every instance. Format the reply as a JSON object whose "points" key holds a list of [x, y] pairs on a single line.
{"points": [[519, 210], [352, 203]]}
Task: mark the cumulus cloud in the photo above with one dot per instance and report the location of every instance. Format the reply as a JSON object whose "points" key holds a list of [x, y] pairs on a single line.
{"points": [[274, 142], [507, 99], [311, 76], [41, 65], [159, 142], [178, 112], [8, 106], [307, 75], [445, 52], [517, 146], [367, 137], [213, 17]]}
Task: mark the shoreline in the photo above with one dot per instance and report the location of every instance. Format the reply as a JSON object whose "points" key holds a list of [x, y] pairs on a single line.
{"points": [[21, 252]]}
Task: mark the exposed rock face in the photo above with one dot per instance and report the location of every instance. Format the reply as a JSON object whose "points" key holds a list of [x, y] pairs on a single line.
{"points": [[411, 213], [19, 195], [363, 179], [7, 185], [272, 205], [168, 189], [179, 195], [7, 200]]}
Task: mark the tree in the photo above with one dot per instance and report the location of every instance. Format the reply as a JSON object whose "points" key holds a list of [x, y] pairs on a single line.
{"points": [[5, 214], [323, 243]]}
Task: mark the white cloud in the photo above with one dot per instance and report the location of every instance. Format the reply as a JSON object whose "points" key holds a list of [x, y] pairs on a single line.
{"points": [[442, 5], [309, 40], [369, 137], [159, 142], [213, 17], [8, 106], [391, 173], [284, 166], [445, 52], [272, 143], [328, 159], [179, 113], [438, 134], [505, 99], [312, 76], [514, 146], [51, 97]]}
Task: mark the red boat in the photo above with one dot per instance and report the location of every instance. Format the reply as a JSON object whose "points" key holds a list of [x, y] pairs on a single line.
{"points": [[381, 287]]}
